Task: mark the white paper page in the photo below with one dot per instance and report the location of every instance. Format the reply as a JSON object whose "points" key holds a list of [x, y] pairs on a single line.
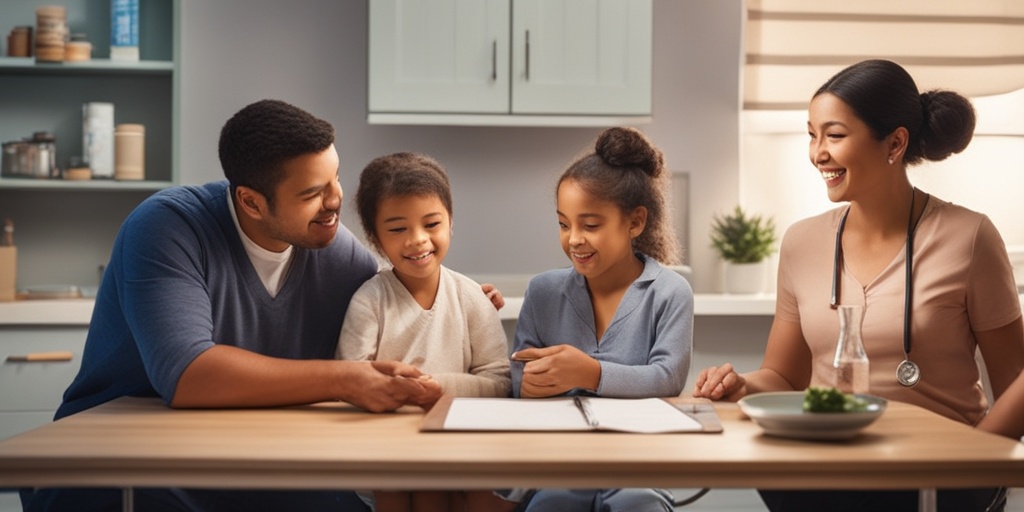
{"points": [[514, 414], [647, 415]]}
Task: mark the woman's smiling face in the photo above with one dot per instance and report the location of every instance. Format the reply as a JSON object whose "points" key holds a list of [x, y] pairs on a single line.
{"points": [[843, 149]]}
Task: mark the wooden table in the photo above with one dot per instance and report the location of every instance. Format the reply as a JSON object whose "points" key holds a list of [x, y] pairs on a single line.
{"points": [[140, 442]]}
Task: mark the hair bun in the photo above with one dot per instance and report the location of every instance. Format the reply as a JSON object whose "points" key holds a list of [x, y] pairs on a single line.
{"points": [[948, 126], [628, 147]]}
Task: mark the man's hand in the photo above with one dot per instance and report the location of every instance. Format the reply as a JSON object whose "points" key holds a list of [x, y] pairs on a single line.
{"points": [[381, 386], [494, 295], [427, 390], [555, 370]]}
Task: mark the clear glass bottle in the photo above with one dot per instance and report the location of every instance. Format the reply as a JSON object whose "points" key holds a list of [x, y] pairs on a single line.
{"points": [[851, 362]]}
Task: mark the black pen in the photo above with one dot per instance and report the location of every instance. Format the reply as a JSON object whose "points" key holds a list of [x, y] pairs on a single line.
{"points": [[584, 408]]}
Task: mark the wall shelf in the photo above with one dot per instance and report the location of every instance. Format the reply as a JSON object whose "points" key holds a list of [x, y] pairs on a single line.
{"points": [[65, 228], [7, 182], [28, 66]]}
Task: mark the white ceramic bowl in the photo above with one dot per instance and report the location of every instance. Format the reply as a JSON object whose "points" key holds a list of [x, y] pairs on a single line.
{"points": [[781, 414]]}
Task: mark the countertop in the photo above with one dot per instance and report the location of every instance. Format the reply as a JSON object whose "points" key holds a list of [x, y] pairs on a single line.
{"points": [[79, 311], [46, 312]]}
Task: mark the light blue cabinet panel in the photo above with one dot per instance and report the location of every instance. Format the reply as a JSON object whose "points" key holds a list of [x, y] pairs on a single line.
{"points": [[30, 391]]}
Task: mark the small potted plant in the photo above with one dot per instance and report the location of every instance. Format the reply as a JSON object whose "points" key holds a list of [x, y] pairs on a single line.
{"points": [[744, 242]]}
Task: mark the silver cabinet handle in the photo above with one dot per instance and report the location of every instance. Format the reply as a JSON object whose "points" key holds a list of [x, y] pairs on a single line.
{"points": [[527, 55], [494, 60], [41, 357]]}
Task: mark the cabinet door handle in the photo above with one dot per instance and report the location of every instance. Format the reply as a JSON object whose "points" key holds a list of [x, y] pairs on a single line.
{"points": [[41, 357], [494, 60], [527, 55]]}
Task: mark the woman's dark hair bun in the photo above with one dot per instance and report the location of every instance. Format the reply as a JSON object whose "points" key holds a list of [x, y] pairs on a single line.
{"points": [[628, 147], [948, 126]]}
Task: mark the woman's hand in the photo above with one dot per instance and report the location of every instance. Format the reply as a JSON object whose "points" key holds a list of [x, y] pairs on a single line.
{"points": [[720, 382], [555, 370]]}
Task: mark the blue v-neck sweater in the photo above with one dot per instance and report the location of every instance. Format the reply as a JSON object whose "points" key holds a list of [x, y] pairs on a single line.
{"points": [[180, 281]]}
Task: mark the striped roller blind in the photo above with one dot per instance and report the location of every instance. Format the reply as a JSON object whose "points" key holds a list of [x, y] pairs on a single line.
{"points": [[975, 47]]}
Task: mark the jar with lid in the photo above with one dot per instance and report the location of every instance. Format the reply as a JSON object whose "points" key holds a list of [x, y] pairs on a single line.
{"points": [[46, 155], [129, 152], [19, 42], [77, 49], [77, 169], [31, 158]]}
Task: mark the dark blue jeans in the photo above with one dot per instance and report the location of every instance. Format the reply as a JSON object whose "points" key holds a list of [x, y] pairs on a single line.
{"points": [[951, 500], [189, 500]]}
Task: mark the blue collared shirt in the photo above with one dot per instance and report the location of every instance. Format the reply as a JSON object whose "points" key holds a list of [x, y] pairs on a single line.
{"points": [[646, 349]]}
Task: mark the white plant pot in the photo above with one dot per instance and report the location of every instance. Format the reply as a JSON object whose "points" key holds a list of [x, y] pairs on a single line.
{"points": [[745, 278]]}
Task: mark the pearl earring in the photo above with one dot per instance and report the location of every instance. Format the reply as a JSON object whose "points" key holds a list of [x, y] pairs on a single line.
{"points": [[890, 160]]}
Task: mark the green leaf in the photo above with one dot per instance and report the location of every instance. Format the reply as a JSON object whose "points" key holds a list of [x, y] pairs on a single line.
{"points": [[742, 238]]}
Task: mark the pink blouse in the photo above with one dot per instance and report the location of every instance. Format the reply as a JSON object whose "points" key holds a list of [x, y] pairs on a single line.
{"points": [[963, 283]]}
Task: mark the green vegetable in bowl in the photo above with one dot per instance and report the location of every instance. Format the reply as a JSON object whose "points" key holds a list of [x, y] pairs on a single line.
{"points": [[832, 400]]}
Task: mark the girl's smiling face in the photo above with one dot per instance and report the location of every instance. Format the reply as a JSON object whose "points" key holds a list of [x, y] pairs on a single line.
{"points": [[595, 234], [414, 234]]}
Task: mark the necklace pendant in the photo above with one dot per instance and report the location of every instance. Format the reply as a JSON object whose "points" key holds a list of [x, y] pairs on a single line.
{"points": [[908, 373]]}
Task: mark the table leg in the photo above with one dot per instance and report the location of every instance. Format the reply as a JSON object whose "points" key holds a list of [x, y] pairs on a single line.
{"points": [[927, 500], [127, 500]]}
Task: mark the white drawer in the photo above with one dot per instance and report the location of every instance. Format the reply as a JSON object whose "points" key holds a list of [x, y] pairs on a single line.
{"points": [[37, 386]]}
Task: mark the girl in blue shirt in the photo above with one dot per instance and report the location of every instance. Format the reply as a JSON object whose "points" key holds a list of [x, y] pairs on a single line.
{"points": [[616, 323]]}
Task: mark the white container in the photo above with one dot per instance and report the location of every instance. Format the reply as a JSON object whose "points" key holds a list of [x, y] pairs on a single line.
{"points": [[98, 138], [744, 278]]}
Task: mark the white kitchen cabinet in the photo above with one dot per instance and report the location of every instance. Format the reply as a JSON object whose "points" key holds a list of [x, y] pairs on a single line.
{"points": [[439, 56], [508, 62], [31, 391]]}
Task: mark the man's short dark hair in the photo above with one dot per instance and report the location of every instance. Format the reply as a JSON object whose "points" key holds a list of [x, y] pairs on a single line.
{"points": [[257, 140]]}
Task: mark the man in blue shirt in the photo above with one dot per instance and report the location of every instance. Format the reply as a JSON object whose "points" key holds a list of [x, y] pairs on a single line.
{"points": [[232, 294]]}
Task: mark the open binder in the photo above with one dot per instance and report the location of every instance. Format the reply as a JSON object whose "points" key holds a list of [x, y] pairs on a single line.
{"points": [[581, 413]]}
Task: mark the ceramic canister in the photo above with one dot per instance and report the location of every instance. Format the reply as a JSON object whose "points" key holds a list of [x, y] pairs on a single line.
{"points": [[129, 152]]}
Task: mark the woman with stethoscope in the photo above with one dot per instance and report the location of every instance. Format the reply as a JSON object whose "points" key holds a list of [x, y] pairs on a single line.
{"points": [[934, 278]]}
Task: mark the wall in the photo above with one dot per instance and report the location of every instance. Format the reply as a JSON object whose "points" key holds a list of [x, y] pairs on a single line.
{"points": [[313, 53]]}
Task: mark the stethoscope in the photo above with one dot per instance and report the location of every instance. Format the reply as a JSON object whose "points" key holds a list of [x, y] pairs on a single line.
{"points": [[907, 373]]}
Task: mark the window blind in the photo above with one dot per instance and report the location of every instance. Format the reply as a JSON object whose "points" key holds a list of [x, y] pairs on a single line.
{"points": [[792, 46]]}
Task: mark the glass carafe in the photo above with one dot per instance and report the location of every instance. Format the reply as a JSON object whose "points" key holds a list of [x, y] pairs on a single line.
{"points": [[851, 362]]}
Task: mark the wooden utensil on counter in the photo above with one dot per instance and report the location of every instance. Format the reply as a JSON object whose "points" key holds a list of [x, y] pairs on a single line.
{"points": [[41, 357], [8, 238]]}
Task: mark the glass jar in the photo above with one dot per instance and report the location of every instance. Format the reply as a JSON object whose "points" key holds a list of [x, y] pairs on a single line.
{"points": [[852, 371]]}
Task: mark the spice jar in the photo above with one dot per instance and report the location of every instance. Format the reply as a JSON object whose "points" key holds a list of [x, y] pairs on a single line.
{"points": [[77, 49], [78, 169], [19, 42]]}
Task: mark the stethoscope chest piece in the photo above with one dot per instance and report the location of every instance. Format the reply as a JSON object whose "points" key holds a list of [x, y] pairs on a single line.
{"points": [[908, 373]]}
